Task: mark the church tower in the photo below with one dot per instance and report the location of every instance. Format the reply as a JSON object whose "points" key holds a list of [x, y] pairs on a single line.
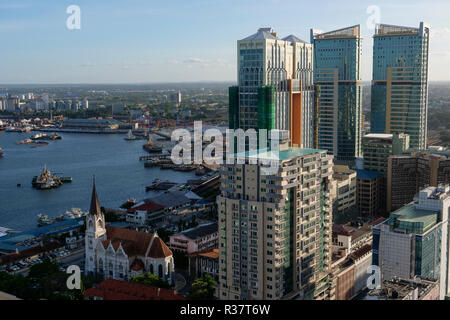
{"points": [[95, 231]]}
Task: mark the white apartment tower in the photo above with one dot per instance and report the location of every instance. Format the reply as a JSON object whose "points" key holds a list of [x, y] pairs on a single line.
{"points": [[275, 230]]}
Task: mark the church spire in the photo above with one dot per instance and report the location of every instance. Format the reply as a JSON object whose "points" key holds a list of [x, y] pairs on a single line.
{"points": [[95, 206]]}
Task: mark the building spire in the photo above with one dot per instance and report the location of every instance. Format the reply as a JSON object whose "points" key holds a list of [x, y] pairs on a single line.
{"points": [[95, 207]]}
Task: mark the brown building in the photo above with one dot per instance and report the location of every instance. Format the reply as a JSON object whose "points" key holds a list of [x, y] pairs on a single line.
{"points": [[407, 174], [369, 193]]}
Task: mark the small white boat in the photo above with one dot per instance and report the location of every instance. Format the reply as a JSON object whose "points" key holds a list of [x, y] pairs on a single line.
{"points": [[130, 136]]}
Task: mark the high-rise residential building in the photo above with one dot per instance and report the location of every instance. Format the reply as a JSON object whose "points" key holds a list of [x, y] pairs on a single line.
{"points": [[337, 73], [399, 100], [275, 229], [377, 147], [408, 173], [414, 241], [85, 104], [275, 86], [12, 103]]}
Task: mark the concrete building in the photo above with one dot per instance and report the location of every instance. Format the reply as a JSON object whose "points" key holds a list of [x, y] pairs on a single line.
{"points": [[349, 273], [337, 73], [345, 180], [12, 104], [198, 239], [203, 263], [414, 240], [176, 97], [275, 86], [399, 100], [405, 289], [377, 147], [275, 229], [409, 173], [369, 193]]}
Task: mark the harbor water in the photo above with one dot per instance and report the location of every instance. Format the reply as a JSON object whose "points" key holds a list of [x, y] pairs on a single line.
{"points": [[114, 162]]}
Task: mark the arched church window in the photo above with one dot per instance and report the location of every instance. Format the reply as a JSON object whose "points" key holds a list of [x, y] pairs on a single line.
{"points": [[152, 271], [160, 271]]}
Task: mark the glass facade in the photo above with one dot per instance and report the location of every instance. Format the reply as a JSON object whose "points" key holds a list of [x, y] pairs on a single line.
{"points": [[337, 65], [400, 82]]}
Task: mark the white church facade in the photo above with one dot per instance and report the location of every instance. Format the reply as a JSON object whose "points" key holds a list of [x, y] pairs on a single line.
{"points": [[120, 253]]}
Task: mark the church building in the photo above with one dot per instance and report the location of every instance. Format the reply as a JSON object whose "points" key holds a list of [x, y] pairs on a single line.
{"points": [[120, 253]]}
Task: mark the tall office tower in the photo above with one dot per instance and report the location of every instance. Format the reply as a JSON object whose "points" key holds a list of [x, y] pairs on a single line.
{"points": [[275, 86], [409, 173], [275, 230], [414, 241], [399, 101], [337, 73]]}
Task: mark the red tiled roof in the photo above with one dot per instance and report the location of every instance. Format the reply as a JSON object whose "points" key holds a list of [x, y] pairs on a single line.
{"points": [[159, 249], [135, 242], [214, 254], [149, 207], [111, 289]]}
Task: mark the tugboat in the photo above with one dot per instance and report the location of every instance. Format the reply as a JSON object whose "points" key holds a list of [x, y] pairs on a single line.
{"points": [[45, 180], [150, 147]]}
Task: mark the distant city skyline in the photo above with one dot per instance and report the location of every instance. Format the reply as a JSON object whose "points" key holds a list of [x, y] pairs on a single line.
{"points": [[184, 41]]}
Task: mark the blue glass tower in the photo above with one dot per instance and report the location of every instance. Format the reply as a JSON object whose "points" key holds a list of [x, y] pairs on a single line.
{"points": [[399, 101], [337, 65]]}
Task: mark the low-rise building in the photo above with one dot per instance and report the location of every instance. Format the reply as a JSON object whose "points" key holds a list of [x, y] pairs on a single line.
{"points": [[203, 263], [145, 213], [201, 238], [405, 289], [111, 289]]}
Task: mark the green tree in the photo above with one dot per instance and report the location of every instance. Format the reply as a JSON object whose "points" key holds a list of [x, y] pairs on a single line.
{"points": [[150, 279], [203, 288], [46, 268]]}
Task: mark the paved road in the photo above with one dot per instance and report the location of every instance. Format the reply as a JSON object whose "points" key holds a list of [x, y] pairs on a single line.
{"points": [[75, 257]]}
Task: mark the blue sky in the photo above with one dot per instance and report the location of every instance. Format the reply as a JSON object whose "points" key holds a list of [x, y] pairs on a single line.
{"points": [[143, 41]]}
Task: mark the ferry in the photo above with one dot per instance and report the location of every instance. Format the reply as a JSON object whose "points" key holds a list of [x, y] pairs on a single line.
{"points": [[44, 220], [44, 136]]}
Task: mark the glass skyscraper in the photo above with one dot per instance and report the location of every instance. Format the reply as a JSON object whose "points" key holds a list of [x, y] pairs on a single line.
{"points": [[400, 82], [337, 73]]}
